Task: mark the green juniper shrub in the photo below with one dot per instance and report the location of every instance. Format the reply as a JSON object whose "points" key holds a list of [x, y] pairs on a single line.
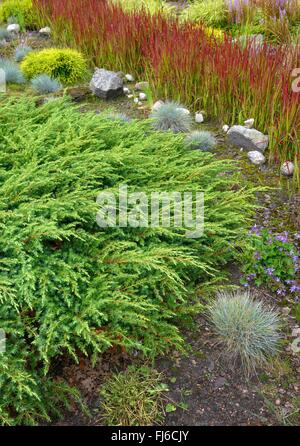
{"points": [[247, 330], [69, 286], [133, 398]]}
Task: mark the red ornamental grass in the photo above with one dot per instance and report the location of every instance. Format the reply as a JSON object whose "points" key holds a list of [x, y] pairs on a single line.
{"points": [[231, 81]]}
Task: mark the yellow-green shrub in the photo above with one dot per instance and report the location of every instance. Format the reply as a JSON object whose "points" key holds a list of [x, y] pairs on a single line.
{"points": [[22, 10], [212, 13], [66, 65], [152, 6]]}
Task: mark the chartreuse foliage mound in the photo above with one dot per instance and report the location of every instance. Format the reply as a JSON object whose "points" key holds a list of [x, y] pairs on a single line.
{"points": [[66, 284], [21, 10], [66, 65]]}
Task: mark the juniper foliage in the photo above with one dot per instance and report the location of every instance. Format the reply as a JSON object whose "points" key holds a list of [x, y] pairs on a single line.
{"points": [[68, 286]]}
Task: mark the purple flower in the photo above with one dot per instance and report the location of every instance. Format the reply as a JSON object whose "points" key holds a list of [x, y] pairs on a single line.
{"points": [[269, 271], [255, 230], [257, 255]]}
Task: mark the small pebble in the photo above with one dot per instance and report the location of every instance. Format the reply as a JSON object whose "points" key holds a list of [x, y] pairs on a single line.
{"points": [[296, 332], [286, 311], [157, 105], [13, 28], [129, 77], [142, 97], [249, 123], [199, 118], [287, 169], [225, 128]]}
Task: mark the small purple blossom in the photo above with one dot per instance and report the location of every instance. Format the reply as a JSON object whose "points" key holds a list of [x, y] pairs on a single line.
{"points": [[255, 230], [283, 237]]}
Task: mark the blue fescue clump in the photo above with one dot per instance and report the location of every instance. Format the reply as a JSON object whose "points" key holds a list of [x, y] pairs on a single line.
{"points": [[246, 328], [13, 74], [171, 116], [21, 51], [200, 140], [44, 84], [4, 34], [121, 117]]}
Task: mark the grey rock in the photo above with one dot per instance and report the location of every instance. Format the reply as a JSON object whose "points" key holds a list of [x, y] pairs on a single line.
{"points": [[296, 332], [106, 84], [249, 139], [219, 382], [256, 157], [255, 41]]}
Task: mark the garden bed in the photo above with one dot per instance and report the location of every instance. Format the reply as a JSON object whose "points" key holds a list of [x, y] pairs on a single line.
{"points": [[90, 304]]}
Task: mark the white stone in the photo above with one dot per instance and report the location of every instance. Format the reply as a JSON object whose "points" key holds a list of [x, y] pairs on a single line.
{"points": [[249, 123], [287, 169], [142, 97], [157, 105], [130, 96], [199, 118], [140, 103], [136, 100], [13, 28], [184, 110], [256, 157], [129, 77], [225, 128], [126, 90], [45, 31]]}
